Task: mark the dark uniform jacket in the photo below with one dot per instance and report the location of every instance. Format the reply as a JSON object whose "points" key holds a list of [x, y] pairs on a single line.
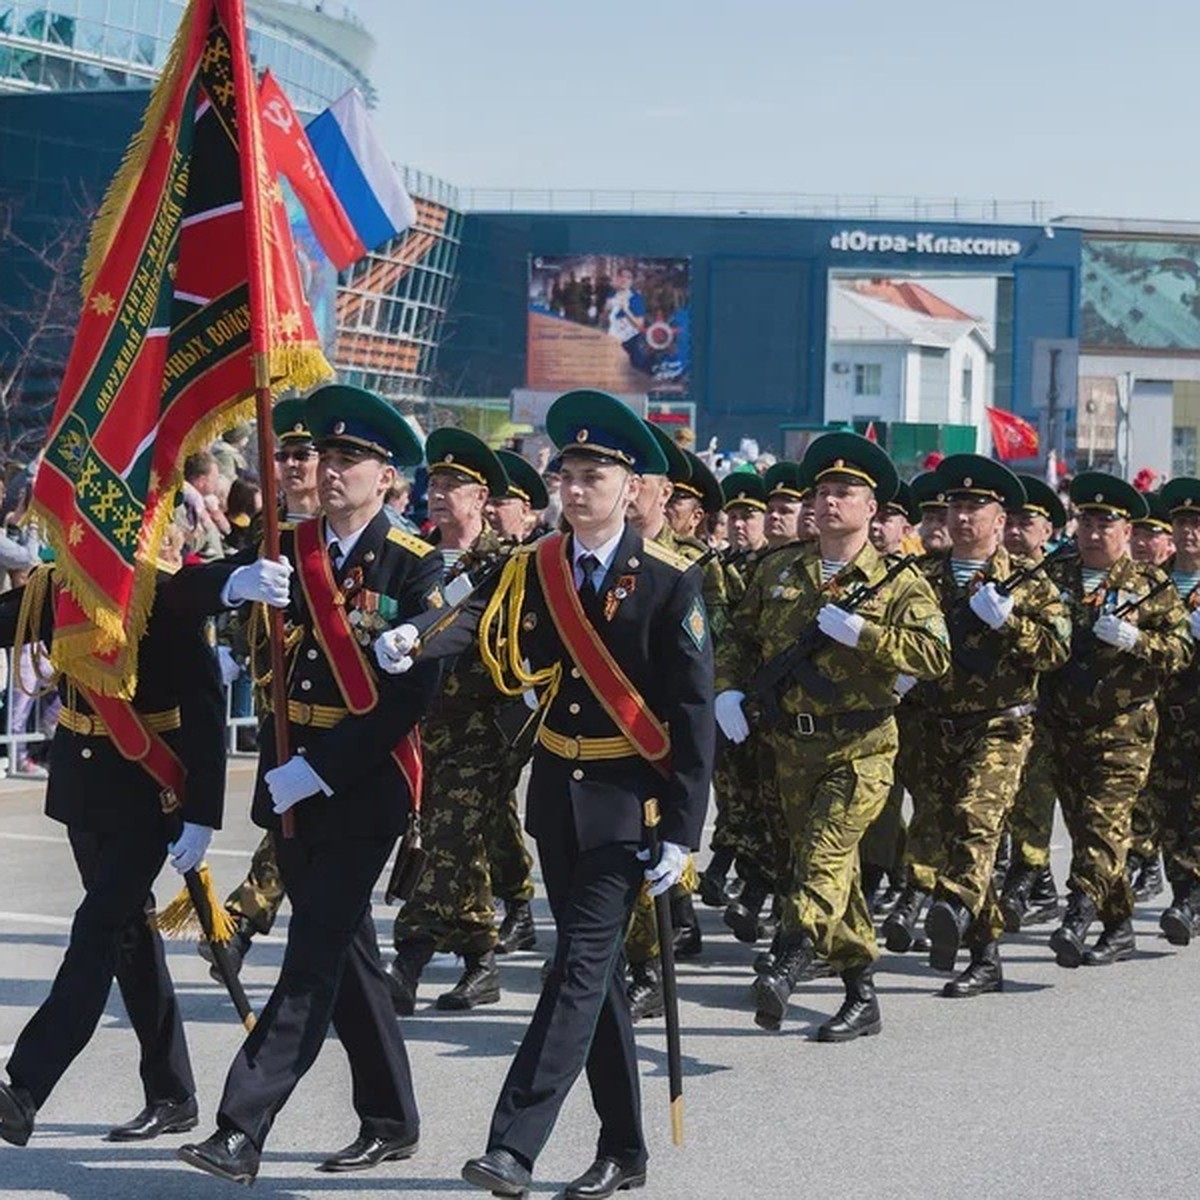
{"points": [[91, 786], [658, 635], [370, 798]]}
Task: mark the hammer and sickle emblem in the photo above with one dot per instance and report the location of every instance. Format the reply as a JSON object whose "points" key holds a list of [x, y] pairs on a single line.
{"points": [[277, 114]]}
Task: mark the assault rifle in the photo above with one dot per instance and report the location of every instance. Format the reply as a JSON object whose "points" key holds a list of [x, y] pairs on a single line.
{"points": [[773, 678]]}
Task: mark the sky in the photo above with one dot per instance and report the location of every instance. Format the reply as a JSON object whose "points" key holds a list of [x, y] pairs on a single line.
{"points": [[1088, 107]]}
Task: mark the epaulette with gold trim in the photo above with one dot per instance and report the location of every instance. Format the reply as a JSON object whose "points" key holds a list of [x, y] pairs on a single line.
{"points": [[410, 542], [287, 526], [663, 554]]}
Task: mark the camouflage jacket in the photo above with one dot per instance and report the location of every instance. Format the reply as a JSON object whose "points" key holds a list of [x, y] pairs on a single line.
{"points": [[713, 591], [1099, 680], [995, 669], [904, 633], [1182, 690]]}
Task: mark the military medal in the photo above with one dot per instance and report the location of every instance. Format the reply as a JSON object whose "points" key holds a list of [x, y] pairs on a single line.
{"points": [[615, 595]]}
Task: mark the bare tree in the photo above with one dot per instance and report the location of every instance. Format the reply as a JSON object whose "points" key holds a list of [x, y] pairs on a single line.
{"points": [[39, 313]]}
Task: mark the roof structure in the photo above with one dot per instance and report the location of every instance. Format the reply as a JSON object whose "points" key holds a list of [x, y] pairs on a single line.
{"points": [[856, 315]]}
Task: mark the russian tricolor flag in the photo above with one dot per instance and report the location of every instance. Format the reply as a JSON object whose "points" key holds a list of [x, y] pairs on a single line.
{"points": [[362, 176], [353, 196]]}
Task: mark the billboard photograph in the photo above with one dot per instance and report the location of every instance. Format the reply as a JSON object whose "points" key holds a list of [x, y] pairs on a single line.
{"points": [[616, 322], [1138, 294]]}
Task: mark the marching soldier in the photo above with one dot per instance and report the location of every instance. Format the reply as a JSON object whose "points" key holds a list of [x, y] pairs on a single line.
{"points": [[835, 749], [1030, 894], [125, 809], [349, 783], [785, 504], [612, 633], [980, 714], [1130, 634], [693, 499], [929, 498], [465, 755], [1173, 792], [1150, 542]]}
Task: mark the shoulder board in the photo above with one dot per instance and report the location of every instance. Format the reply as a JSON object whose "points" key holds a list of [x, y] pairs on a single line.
{"points": [[670, 557], [286, 526], [410, 542]]}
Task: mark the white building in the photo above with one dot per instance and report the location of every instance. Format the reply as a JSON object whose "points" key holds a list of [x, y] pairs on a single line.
{"points": [[899, 353]]}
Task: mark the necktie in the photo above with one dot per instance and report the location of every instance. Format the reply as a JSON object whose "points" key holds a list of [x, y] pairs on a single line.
{"points": [[335, 555], [589, 564]]}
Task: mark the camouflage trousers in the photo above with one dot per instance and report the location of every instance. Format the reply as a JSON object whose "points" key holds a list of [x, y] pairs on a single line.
{"points": [[913, 770], [258, 897], [973, 778], [452, 904], [641, 939], [832, 789], [749, 815], [1098, 771], [1031, 821], [509, 862], [1172, 796], [883, 845]]}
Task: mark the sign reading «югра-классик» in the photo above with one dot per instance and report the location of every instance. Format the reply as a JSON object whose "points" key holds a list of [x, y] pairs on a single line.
{"points": [[924, 243]]}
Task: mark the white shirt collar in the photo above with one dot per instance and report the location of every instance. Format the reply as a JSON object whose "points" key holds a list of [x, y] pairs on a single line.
{"points": [[605, 553], [346, 543]]}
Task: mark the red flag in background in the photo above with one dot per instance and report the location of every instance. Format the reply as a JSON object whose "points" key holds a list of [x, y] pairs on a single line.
{"points": [[293, 156], [870, 434], [190, 282], [1012, 436]]}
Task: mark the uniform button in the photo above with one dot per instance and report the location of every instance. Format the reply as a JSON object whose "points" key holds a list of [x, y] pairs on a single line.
{"points": [[312, 653], [577, 774], [305, 685], [86, 752], [574, 672], [574, 710], [302, 750]]}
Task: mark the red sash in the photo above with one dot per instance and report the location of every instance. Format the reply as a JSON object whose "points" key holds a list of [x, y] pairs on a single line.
{"points": [[140, 744], [609, 684], [335, 636]]}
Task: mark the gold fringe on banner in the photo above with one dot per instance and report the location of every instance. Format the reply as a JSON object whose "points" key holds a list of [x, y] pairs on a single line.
{"points": [[180, 919]]}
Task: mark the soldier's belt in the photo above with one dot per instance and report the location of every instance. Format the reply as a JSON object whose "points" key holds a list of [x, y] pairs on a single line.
{"points": [[585, 749], [961, 722], [91, 725], [857, 721], [319, 716]]}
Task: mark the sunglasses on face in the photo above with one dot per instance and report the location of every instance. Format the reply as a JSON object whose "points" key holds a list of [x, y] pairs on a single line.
{"points": [[300, 456]]}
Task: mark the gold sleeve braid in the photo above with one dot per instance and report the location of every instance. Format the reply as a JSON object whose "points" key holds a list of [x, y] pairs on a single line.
{"points": [[28, 631]]}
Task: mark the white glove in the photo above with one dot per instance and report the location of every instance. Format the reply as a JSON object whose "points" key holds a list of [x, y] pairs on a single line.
{"points": [[228, 665], [190, 847], [393, 648], [842, 626], [1194, 622], [293, 782], [669, 869], [1116, 632], [263, 580], [991, 606], [728, 710], [904, 684]]}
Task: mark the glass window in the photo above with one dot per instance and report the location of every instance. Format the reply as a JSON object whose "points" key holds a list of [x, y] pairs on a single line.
{"points": [[118, 44], [92, 10], [89, 37], [967, 378], [121, 12], [1183, 450], [868, 379]]}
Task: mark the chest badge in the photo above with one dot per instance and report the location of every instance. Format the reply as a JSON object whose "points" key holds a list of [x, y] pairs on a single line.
{"points": [[618, 594]]}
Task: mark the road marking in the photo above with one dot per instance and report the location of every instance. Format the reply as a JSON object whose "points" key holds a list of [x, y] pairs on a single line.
{"points": [[36, 919], [48, 839]]}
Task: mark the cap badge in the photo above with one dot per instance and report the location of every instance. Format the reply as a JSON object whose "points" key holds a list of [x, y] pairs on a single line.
{"points": [[581, 436], [448, 458], [968, 481], [839, 463], [339, 427], [298, 427], [1099, 497]]}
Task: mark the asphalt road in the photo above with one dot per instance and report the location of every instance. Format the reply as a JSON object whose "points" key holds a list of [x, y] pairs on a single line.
{"points": [[1070, 1084]]}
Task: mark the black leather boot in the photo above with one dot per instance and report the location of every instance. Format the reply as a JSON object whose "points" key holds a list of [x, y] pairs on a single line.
{"points": [[1178, 922], [714, 879], [1148, 882], [478, 984], [1043, 899], [1068, 940], [888, 897], [1014, 899], [412, 955], [741, 915], [900, 928], [983, 975], [946, 926], [1003, 860], [772, 990], [872, 881], [1115, 944], [517, 931], [645, 991], [688, 942], [859, 1015], [764, 960], [17, 1111]]}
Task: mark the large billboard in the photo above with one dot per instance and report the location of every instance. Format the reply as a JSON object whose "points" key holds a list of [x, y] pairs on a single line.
{"points": [[1142, 295], [616, 322]]}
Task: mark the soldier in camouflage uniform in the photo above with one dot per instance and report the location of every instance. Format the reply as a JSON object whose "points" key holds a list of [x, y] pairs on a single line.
{"points": [[1174, 786], [835, 747], [452, 910], [1130, 634], [981, 713], [1029, 893], [1151, 542]]}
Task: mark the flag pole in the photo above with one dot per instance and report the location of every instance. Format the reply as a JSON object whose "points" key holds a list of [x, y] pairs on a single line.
{"points": [[252, 156]]}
